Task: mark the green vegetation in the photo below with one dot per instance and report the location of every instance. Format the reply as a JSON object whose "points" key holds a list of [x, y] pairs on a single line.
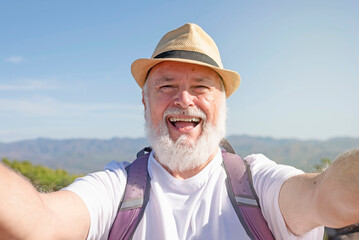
{"points": [[43, 178], [324, 164]]}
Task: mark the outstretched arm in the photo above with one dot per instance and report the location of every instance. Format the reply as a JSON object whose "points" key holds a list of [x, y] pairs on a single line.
{"points": [[28, 214], [330, 198]]}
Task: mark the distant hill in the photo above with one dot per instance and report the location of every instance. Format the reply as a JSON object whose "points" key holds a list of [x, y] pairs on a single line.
{"points": [[74, 155], [88, 155], [294, 152]]}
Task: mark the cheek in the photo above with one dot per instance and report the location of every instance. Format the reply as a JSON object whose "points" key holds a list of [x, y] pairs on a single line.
{"points": [[156, 116], [157, 109], [210, 106]]}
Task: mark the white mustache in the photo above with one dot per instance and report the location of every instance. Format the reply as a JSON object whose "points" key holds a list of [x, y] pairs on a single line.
{"points": [[187, 111]]}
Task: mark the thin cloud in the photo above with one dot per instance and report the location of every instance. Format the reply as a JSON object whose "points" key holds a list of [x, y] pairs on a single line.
{"points": [[41, 106], [14, 59], [28, 85]]}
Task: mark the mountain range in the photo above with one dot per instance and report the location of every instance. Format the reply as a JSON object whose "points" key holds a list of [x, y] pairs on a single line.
{"points": [[88, 155]]}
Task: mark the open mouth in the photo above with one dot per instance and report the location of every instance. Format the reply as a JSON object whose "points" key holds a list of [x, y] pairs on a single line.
{"points": [[185, 123]]}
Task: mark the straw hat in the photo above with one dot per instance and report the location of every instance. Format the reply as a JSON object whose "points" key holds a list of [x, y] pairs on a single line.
{"points": [[189, 44]]}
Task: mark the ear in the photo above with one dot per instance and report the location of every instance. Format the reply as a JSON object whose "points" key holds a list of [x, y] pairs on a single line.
{"points": [[143, 100]]}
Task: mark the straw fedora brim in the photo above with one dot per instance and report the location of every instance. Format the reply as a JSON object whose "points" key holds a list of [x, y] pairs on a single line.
{"points": [[140, 68]]}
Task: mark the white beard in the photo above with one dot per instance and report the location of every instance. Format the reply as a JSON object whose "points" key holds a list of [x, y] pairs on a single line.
{"points": [[182, 155]]}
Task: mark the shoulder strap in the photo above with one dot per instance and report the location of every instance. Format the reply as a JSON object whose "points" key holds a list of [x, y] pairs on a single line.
{"points": [[134, 201], [239, 186], [243, 197]]}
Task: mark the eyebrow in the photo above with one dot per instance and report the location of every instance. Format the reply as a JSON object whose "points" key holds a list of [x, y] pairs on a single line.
{"points": [[163, 80]]}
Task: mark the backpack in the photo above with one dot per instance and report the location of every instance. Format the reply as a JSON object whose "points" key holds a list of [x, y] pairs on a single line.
{"points": [[239, 187]]}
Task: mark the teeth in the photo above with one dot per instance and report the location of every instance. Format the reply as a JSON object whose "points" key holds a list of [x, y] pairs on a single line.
{"points": [[176, 119]]}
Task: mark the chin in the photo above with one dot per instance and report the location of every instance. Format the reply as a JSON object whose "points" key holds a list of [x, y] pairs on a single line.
{"points": [[186, 152], [186, 140]]}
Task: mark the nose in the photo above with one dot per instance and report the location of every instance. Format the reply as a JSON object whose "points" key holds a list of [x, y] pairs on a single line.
{"points": [[184, 99]]}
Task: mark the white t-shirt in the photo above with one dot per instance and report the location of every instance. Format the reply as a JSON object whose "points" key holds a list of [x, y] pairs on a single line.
{"points": [[194, 208]]}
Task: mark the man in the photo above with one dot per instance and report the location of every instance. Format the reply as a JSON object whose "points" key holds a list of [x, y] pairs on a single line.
{"points": [[184, 91]]}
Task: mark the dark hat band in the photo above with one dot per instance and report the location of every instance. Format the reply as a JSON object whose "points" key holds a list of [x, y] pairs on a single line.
{"points": [[191, 55]]}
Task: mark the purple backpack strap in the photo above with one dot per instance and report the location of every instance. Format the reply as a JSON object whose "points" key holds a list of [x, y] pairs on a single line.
{"points": [[135, 198], [243, 197]]}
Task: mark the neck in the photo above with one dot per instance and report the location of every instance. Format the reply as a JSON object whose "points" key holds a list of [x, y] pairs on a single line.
{"points": [[187, 173]]}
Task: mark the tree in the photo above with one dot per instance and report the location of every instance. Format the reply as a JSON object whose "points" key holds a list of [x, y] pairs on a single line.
{"points": [[324, 164]]}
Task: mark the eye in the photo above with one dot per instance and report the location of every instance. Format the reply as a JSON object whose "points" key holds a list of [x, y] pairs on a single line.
{"points": [[201, 88], [167, 88]]}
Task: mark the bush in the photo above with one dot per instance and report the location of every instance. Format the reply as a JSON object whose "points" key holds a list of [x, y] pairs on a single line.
{"points": [[43, 178]]}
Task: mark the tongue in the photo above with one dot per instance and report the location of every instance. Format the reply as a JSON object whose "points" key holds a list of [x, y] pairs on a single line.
{"points": [[185, 125]]}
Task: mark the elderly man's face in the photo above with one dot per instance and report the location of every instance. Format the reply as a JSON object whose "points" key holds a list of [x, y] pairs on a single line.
{"points": [[185, 86]]}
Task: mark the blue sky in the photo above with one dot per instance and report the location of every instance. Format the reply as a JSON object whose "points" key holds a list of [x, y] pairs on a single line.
{"points": [[65, 65]]}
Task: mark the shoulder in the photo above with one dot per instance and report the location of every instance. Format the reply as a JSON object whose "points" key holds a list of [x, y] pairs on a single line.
{"points": [[116, 167], [113, 171], [262, 167], [102, 192], [107, 182], [268, 178]]}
